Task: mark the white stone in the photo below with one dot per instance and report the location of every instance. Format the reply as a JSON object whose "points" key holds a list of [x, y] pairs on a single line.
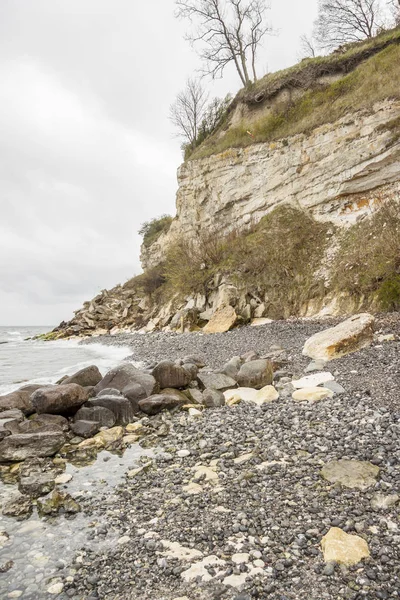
{"points": [[201, 470], [124, 540], [199, 569], [240, 558], [258, 321], [56, 588], [64, 478], [382, 502], [183, 453], [312, 394], [243, 458], [192, 488], [313, 380], [349, 336], [175, 550], [15, 594], [194, 413]]}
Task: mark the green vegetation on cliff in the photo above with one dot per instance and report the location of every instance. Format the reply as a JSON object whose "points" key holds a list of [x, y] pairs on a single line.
{"points": [[321, 90]]}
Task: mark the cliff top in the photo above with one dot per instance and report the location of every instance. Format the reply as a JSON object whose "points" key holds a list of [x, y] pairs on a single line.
{"points": [[312, 93]]}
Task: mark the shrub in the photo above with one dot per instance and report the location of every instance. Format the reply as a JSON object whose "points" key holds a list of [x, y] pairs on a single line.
{"points": [[151, 230], [368, 260]]}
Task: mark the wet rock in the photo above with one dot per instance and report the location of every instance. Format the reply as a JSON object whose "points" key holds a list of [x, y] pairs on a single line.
{"points": [[223, 320], [18, 506], [255, 374], [38, 484], [213, 398], [216, 381], [15, 415], [30, 445], [89, 376], [98, 414], [85, 429], [119, 406], [59, 399], [349, 336], [155, 404], [123, 375], [341, 548], [351, 473], [170, 375], [58, 502], [134, 392], [109, 392], [109, 437], [58, 420], [20, 400]]}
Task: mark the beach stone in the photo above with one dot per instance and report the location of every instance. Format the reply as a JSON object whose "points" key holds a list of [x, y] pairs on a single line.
{"points": [[57, 502], [120, 407], [109, 392], [351, 473], [266, 394], [241, 393], [31, 445], [14, 415], [191, 369], [46, 419], [194, 395], [134, 392], [342, 548], [89, 376], [155, 404], [194, 360], [85, 429], [335, 387], [170, 375], [312, 394], [349, 336], [382, 502], [20, 400], [18, 506], [222, 320], [315, 365], [37, 484], [216, 381], [123, 375], [255, 374], [213, 398], [59, 399], [110, 436], [176, 393], [312, 380], [232, 367], [99, 414], [63, 478]]}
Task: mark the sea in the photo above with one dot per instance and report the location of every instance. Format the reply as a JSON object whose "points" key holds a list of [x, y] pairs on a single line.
{"points": [[24, 360]]}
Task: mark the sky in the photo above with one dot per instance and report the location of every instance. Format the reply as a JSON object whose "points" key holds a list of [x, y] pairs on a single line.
{"points": [[87, 151]]}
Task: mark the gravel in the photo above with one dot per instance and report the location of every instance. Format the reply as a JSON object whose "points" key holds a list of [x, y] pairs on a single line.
{"points": [[259, 520]]}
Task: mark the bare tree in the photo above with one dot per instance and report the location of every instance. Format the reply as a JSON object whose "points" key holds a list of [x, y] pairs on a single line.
{"points": [[228, 31], [395, 6], [343, 21], [188, 111], [307, 47]]}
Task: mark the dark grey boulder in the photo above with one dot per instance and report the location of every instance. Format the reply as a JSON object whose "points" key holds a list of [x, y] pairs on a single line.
{"points": [[14, 414], [194, 360], [46, 419], [109, 392], [123, 375], [232, 367], [20, 400], [60, 399], [171, 375], [31, 445], [213, 398], [37, 484], [99, 414], [134, 392], [120, 407], [85, 429], [256, 374], [155, 404], [216, 381], [191, 369], [89, 376], [32, 387]]}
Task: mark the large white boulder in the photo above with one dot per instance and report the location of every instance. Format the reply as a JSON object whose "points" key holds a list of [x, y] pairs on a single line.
{"points": [[349, 336]]}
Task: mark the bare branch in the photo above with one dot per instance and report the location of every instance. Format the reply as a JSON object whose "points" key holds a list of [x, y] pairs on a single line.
{"points": [[188, 110], [228, 31]]}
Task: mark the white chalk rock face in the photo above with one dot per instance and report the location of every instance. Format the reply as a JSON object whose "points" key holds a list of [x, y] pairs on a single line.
{"points": [[349, 336]]}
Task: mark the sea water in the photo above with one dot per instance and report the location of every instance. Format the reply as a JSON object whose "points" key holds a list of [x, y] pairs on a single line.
{"points": [[24, 360]]}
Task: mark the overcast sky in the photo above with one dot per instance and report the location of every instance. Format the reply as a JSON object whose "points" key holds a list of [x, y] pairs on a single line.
{"points": [[87, 152]]}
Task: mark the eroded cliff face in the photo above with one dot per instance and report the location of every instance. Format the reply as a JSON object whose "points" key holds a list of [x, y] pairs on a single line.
{"points": [[336, 173]]}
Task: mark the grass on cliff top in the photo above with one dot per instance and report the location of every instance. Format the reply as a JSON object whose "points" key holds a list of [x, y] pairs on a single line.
{"points": [[373, 80], [368, 261], [151, 230], [277, 257]]}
